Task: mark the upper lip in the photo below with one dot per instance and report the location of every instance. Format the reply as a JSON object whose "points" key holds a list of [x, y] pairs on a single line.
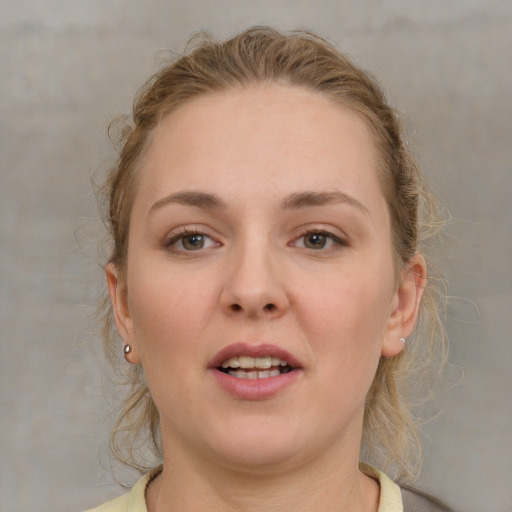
{"points": [[259, 350]]}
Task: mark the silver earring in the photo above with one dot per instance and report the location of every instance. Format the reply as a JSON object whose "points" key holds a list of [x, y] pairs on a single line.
{"points": [[127, 349], [402, 340]]}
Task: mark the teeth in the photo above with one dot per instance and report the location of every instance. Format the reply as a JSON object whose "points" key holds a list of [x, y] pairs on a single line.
{"points": [[246, 362], [261, 363], [253, 375], [231, 363]]}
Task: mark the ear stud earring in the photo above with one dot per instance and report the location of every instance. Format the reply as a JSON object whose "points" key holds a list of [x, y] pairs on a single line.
{"points": [[402, 340], [127, 349]]}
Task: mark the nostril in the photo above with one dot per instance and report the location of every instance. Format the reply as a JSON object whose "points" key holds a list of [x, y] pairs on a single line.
{"points": [[267, 308]]}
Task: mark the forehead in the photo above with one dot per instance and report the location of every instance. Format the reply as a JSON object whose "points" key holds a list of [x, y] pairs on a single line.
{"points": [[264, 138]]}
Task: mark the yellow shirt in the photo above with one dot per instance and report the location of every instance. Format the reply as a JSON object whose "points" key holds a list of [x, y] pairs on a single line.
{"points": [[135, 501]]}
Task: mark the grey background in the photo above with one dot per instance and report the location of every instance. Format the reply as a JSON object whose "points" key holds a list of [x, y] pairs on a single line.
{"points": [[68, 66]]}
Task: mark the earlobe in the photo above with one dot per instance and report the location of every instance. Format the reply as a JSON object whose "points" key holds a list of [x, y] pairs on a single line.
{"points": [[406, 306], [119, 297]]}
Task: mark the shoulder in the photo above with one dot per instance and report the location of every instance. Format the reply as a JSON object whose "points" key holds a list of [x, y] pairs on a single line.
{"points": [[395, 498], [417, 501], [133, 501], [120, 504]]}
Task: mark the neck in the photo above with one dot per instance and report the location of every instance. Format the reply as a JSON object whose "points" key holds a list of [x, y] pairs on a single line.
{"points": [[330, 484]]}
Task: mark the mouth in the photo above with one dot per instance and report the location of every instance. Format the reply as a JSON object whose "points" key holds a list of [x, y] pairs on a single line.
{"points": [[255, 372], [253, 368]]}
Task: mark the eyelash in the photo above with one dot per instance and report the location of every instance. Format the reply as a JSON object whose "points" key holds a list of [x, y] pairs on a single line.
{"points": [[170, 241], [336, 240]]}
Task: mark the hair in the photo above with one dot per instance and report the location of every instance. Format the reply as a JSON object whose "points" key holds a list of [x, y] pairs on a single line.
{"points": [[300, 59]]}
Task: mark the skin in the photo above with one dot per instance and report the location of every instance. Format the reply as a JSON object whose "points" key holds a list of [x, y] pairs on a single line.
{"points": [[259, 278]]}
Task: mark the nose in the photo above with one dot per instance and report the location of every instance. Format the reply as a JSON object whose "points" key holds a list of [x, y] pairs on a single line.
{"points": [[253, 286]]}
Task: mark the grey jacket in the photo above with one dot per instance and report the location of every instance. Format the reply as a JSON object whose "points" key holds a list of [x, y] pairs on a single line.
{"points": [[417, 501]]}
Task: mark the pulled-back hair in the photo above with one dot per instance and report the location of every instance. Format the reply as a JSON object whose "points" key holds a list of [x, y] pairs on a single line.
{"points": [[300, 59]]}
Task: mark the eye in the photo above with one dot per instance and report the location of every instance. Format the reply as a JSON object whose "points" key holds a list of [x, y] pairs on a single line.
{"points": [[315, 240], [318, 240], [189, 241]]}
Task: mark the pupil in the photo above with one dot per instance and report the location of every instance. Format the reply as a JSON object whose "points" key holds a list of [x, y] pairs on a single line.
{"points": [[315, 241], [193, 242]]}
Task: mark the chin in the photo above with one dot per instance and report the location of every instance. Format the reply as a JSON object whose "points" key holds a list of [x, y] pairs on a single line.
{"points": [[255, 459], [260, 447]]}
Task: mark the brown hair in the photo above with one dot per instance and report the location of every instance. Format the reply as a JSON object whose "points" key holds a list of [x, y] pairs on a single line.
{"points": [[300, 59]]}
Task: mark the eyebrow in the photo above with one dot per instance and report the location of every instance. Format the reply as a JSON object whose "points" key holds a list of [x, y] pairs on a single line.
{"points": [[294, 201], [307, 199], [198, 199]]}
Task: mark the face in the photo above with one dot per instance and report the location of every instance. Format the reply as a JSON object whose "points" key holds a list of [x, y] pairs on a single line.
{"points": [[259, 291]]}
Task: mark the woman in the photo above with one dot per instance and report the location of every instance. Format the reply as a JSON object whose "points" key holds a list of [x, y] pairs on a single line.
{"points": [[265, 278]]}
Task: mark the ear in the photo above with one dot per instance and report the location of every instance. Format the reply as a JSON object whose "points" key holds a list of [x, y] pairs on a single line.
{"points": [[119, 297], [406, 304]]}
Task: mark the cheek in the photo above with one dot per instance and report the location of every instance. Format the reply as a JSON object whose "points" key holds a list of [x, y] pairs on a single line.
{"points": [[347, 305], [345, 320], [169, 313], [169, 316]]}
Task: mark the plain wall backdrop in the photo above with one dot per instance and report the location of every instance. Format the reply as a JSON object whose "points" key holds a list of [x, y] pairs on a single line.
{"points": [[68, 66]]}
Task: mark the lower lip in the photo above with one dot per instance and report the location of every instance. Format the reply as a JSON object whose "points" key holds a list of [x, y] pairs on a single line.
{"points": [[257, 389]]}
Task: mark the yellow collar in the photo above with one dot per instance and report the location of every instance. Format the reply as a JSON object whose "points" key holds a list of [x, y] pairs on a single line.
{"points": [[135, 501]]}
